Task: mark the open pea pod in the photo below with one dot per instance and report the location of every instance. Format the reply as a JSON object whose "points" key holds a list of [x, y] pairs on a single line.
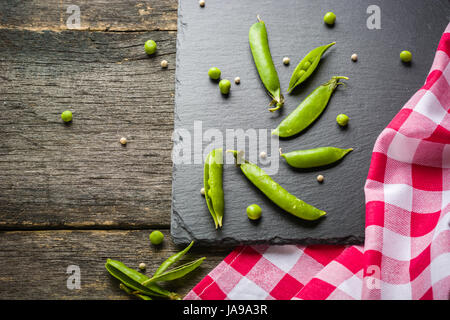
{"points": [[175, 273], [134, 293], [171, 260], [133, 279], [307, 66], [213, 185]]}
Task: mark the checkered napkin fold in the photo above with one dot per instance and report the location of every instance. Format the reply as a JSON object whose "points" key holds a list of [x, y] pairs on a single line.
{"points": [[406, 254]]}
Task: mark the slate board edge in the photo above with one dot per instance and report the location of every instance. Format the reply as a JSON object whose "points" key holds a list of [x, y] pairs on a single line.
{"points": [[180, 232]]}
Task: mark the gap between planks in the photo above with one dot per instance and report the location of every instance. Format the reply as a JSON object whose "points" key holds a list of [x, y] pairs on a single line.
{"points": [[100, 30]]}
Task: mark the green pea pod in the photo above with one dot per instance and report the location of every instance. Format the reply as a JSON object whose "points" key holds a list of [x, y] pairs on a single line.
{"points": [[133, 279], [307, 66], [308, 110], [175, 273], [276, 193], [171, 260], [259, 45], [213, 185], [314, 157], [134, 293]]}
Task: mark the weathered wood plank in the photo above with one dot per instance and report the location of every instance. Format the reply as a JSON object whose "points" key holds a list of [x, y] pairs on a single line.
{"points": [[34, 263], [99, 15], [78, 175]]}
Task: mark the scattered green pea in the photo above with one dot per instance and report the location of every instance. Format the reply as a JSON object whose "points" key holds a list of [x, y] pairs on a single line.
{"points": [[329, 18], [406, 56], [66, 116], [214, 73], [254, 212], [224, 86], [156, 237], [150, 47], [342, 119]]}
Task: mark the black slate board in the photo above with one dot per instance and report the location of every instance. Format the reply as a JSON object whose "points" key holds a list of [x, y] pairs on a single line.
{"points": [[379, 85]]}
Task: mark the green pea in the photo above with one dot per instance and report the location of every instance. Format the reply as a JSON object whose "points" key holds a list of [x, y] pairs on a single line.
{"points": [[66, 116], [156, 237], [342, 119], [254, 212], [306, 65], [214, 73], [224, 86], [150, 47], [406, 56], [329, 18]]}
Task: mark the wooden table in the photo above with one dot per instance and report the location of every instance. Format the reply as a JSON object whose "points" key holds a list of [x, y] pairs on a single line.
{"points": [[72, 194]]}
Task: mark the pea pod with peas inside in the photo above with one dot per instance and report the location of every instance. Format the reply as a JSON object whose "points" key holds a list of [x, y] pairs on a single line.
{"points": [[307, 66], [314, 157], [276, 193], [308, 110], [213, 184], [259, 46]]}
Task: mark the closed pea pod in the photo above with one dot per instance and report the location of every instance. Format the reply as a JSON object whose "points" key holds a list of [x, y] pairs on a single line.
{"points": [[259, 46], [307, 66], [276, 193], [314, 157], [212, 178], [308, 110]]}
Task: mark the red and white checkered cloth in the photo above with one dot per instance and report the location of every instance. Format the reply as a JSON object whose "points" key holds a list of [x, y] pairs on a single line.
{"points": [[406, 254]]}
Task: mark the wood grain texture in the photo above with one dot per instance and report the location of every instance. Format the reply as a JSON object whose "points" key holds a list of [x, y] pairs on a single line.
{"points": [[79, 175], [98, 15], [34, 263]]}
